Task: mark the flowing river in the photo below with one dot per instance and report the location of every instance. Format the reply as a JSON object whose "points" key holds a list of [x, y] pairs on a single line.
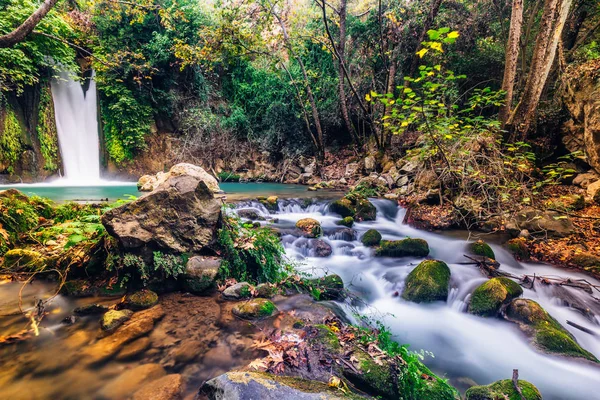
{"points": [[464, 348], [461, 347]]}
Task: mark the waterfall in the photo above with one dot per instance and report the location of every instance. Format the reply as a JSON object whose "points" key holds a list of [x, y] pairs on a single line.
{"points": [[77, 126]]}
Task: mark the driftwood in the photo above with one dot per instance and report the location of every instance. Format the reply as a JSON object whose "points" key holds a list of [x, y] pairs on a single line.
{"points": [[515, 381], [491, 268], [581, 328]]}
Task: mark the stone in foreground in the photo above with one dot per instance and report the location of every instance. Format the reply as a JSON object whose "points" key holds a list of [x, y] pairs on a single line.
{"points": [[428, 282], [254, 308], [503, 389], [490, 296], [403, 248]]}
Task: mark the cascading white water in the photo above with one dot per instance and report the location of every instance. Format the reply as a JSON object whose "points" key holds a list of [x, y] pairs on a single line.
{"points": [[466, 348], [77, 126]]}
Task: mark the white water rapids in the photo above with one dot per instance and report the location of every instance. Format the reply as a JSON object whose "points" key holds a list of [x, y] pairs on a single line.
{"points": [[77, 126], [466, 348]]}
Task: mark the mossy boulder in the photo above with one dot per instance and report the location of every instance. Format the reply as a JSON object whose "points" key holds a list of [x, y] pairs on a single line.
{"points": [[356, 206], [587, 261], [141, 299], [310, 227], [403, 248], [19, 214], [78, 288], [547, 333], [518, 248], [504, 390], [481, 248], [270, 202], [330, 287], [112, 319], [490, 296], [371, 238], [241, 290], [24, 260], [254, 309], [346, 221], [427, 282], [322, 335], [266, 290]]}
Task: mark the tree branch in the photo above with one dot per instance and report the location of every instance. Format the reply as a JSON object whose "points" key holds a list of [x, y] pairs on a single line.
{"points": [[21, 32]]}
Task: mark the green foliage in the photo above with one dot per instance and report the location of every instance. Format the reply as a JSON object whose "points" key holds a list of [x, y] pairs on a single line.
{"points": [[10, 139], [250, 254], [17, 216], [225, 176], [46, 130], [136, 263], [169, 265]]}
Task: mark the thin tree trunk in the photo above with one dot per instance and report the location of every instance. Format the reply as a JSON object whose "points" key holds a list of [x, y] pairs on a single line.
{"points": [[512, 57], [21, 32], [532, 11], [551, 26]]}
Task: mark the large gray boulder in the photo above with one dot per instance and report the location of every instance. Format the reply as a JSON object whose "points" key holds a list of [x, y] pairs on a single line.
{"points": [[148, 183], [181, 215], [546, 223], [255, 385]]}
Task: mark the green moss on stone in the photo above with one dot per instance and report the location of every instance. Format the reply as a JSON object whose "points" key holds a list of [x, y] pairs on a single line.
{"points": [[518, 248], [142, 299], [342, 207], [403, 248], [481, 248], [112, 319], [371, 238], [255, 308], [24, 260], [354, 205], [310, 227], [489, 297], [427, 282], [548, 334], [504, 390], [326, 337], [346, 221]]}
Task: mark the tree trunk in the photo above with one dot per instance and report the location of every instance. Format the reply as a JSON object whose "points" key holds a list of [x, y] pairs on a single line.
{"points": [[551, 26], [21, 32], [512, 56]]}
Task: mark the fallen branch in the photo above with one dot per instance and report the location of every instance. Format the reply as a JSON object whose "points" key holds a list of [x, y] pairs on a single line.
{"points": [[581, 328]]}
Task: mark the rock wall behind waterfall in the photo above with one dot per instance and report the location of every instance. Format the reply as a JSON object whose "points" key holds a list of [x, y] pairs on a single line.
{"points": [[28, 141]]}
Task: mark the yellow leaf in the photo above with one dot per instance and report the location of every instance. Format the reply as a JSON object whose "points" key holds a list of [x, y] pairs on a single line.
{"points": [[422, 52], [368, 97], [453, 34], [436, 46]]}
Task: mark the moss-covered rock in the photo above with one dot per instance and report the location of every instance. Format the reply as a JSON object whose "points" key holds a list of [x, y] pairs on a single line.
{"points": [[254, 308], [141, 299], [200, 274], [266, 290], [310, 227], [427, 282], [330, 287], [481, 248], [403, 248], [588, 261], [354, 205], [24, 260], [78, 288], [547, 333], [504, 390], [241, 290], [324, 336], [371, 238], [346, 221], [490, 296], [18, 214], [112, 319], [518, 248]]}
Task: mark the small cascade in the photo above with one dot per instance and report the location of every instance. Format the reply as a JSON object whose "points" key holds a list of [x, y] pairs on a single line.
{"points": [[76, 112], [464, 345]]}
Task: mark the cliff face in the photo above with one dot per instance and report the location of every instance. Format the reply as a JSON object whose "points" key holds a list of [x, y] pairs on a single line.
{"points": [[28, 138], [581, 97]]}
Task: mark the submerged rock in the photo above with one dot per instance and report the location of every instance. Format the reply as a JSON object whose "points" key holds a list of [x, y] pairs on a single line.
{"points": [[427, 282], [403, 248], [259, 385], [180, 216], [310, 227], [547, 333], [169, 387], [112, 319], [371, 238], [141, 299], [490, 296], [252, 215], [123, 386], [254, 308], [481, 248], [503, 389], [321, 248], [200, 274], [241, 290]]}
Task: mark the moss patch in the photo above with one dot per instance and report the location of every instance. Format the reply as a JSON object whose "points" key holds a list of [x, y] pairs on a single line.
{"points": [[371, 238], [354, 205], [481, 248], [255, 308], [24, 260], [403, 248], [518, 248], [503, 389], [489, 297], [142, 299], [346, 221], [310, 227], [548, 334], [112, 319], [427, 282]]}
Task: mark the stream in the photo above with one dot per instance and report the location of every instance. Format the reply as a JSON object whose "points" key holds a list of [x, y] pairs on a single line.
{"points": [[461, 347], [199, 339]]}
